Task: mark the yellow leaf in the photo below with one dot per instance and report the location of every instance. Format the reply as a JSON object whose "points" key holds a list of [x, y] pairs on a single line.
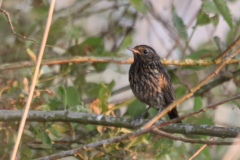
{"points": [[31, 54]]}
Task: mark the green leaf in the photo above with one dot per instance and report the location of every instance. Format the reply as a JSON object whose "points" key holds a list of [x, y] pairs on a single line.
{"points": [[136, 108], [111, 85], [197, 103], [126, 42], [223, 8], [56, 30], [201, 54], [214, 20], [54, 132], [220, 44], [180, 91], [72, 97], [93, 46], [233, 33], [137, 140], [47, 139], [178, 23], [60, 128], [103, 95], [92, 89], [26, 153], [202, 19], [209, 7], [38, 132], [90, 127], [62, 92], [174, 77], [193, 79], [152, 112], [100, 67], [161, 147], [42, 135], [139, 6], [54, 103]]}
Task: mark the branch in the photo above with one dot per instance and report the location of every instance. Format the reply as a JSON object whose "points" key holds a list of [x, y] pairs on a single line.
{"points": [[198, 151], [15, 33], [215, 83], [190, 140], [227, 50], [95, 119], [79, 59]]}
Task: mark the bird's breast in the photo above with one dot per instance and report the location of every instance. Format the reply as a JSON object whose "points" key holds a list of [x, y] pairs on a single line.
{"points": [[145, 84]]}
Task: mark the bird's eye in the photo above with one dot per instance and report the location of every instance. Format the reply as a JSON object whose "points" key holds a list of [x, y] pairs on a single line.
{"points": [[145, 51]]}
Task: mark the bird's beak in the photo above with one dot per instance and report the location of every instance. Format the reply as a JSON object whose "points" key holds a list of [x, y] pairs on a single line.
{"points": [[133, 50]]}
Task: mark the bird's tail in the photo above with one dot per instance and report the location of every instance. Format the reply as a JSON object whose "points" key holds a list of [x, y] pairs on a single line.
{"points": [[174, 114]]}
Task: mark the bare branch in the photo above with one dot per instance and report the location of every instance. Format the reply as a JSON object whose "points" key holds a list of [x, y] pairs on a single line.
{"points": [[228, 50], [215, 83], [190, 140], [15, 33], [95, 119], [195, 154]]}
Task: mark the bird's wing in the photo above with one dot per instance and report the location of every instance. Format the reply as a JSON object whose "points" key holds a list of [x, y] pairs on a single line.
{"points": [[166, 86]]}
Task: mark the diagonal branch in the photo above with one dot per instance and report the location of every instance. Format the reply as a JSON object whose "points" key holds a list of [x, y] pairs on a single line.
{"points": [[227, 50], [216, 82]]}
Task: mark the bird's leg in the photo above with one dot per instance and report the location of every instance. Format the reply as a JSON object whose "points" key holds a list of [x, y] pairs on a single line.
{"points": [[135, 121], [160, 110], [142, 115]]}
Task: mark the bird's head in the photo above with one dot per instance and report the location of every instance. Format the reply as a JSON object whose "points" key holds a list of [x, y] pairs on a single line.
{"points": [[144, 54]]}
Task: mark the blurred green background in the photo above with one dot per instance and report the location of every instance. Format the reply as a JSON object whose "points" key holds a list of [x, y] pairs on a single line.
{"points": [[178, 29]]}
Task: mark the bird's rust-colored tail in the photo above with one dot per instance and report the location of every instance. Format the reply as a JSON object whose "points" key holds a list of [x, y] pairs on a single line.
{"points": [[174, 114]]}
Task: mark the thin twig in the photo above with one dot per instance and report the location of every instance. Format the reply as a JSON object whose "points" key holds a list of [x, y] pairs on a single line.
{"points": [[190, 140], [152, 28], [227, 50], [178, 39], [195, 154], [215, 83], [189, 94], [34, 81], [15, 33], [187, 44], [79, 59]]}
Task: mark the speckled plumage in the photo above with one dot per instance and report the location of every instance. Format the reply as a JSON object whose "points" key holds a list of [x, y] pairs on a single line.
{"points": [[149, 80]]}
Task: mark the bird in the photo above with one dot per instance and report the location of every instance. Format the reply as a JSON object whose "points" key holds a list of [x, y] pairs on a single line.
{"points": [[149, 80]]}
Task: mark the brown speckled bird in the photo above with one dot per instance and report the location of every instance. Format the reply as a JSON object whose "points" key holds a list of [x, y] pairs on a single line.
{"points": [[149, 80]]}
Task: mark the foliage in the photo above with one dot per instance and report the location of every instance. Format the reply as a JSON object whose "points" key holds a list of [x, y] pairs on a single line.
{"points": [[105, 29]]}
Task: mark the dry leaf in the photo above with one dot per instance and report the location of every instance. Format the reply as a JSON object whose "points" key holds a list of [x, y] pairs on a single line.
{"points": [[94, 108]]}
